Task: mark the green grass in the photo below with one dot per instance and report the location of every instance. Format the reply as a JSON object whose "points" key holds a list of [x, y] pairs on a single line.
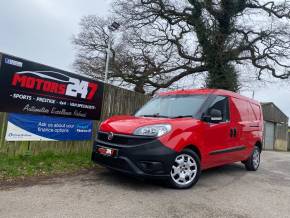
{"points": [[42, 165]]}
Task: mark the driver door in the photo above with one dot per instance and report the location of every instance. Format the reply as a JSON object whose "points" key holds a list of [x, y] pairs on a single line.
{"points": [[219, 135]]}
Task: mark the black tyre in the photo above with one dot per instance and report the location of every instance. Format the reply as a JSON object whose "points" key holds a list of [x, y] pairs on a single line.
{"points": [[185, 170], [253, 162]]}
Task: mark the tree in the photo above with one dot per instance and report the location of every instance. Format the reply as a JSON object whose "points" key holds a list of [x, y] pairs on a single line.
{"points": [[164, 41], [143, 66]]}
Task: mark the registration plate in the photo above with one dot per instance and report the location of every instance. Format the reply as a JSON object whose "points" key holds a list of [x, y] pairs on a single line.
{"points": [[110, 152]]}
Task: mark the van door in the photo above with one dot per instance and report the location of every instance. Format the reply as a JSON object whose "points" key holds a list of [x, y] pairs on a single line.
{"points": [[220, 140], [244, 121]]}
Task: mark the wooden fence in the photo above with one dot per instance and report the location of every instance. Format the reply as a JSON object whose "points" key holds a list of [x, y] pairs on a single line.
{"points": [[115, 101]]}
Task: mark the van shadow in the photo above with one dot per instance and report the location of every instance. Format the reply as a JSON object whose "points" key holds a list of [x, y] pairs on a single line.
{"points": [[222, 176], [108, 177], [207, 179], [231, 169]]}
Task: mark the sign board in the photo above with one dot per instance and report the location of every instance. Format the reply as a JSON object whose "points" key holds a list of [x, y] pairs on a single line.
{"points": [[25, 127], [32, 88]]}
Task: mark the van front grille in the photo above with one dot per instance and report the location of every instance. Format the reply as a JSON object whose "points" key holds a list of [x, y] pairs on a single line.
{"points": [[121, 139]]}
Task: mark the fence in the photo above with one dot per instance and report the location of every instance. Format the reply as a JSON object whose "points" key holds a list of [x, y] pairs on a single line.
{"points": [[116, 101]]}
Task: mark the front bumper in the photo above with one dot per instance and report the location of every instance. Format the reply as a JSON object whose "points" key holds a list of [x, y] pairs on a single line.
{"points": [[151, 159]]}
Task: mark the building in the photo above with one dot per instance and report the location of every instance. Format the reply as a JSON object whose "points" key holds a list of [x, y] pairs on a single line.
{"points": [[288, 138], [275, 128]]}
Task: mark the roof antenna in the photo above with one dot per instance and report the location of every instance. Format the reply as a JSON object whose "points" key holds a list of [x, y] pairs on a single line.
{"points": [[253, 95]]}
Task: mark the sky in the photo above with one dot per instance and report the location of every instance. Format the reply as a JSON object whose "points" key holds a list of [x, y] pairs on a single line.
{"points": [[42, 30]]}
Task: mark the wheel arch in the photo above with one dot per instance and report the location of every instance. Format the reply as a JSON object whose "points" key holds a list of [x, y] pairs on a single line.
{"points": [[259, 145], [195, 149]]}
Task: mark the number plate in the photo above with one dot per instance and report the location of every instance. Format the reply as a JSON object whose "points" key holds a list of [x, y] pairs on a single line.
{"points": [[110, 152]]}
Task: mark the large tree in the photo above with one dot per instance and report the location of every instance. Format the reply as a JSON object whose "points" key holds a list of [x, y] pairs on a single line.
{"points": [[164, 41]]}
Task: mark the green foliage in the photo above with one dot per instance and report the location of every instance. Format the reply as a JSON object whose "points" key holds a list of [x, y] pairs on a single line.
{"points": [[43, 164], [224, 77]]}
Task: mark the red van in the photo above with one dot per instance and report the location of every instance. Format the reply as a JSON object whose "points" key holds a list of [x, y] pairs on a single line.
{"points": [[178, 134]]}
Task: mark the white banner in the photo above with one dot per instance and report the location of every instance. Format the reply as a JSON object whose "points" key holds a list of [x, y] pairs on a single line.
{"points": [[15, 133]]}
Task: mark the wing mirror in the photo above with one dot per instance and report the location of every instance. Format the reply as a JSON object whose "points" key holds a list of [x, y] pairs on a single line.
{"points": [[215, 116]]}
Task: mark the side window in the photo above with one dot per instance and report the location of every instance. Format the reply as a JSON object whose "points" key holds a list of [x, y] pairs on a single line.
{"points": [[221, 103]]}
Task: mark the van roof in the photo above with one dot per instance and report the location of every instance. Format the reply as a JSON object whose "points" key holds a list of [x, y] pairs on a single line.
{"points": [[208, 91]]}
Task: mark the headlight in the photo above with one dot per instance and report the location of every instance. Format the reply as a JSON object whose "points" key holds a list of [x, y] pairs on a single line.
{"points": [[153, 130]]}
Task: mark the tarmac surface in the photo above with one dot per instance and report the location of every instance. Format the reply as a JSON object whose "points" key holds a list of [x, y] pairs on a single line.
{"points": [[228, 191]]}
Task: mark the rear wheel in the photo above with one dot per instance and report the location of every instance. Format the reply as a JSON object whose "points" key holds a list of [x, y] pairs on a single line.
{"points": [[253, 162], [185, 170]]}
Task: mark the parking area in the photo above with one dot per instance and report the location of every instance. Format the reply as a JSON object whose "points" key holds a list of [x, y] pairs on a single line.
{"points": [[228, 191]]}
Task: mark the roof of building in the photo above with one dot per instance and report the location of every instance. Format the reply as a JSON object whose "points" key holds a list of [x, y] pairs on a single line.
{"points": [[271, 103], [270, 111]]}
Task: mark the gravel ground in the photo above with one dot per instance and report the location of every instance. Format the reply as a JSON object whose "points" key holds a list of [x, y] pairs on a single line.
{"points": [[228, 191]]}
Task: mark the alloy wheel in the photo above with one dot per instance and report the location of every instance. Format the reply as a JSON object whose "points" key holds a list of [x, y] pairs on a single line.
{"points": [[184, 169], [256, 158]]}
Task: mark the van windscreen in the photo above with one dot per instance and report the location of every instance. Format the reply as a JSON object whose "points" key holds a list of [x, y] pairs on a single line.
{"points": [[173, 106]]}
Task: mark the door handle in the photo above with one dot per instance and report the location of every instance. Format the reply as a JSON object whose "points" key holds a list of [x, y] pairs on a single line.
{"points": [[233, 132]]}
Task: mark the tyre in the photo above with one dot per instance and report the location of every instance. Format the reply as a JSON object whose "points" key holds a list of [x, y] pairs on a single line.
{"points": [[185, 170], [253, 162]]}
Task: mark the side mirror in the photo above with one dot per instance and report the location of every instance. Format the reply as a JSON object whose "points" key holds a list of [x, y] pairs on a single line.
{"points": [[215, 116]]}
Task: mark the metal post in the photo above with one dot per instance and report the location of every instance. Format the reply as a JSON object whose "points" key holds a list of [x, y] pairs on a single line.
{"points": [[108, 57], [114, 26]]}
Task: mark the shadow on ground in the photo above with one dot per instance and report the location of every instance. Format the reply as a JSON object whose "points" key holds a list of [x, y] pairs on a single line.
{"points": [[112, 178], [100, 175]]}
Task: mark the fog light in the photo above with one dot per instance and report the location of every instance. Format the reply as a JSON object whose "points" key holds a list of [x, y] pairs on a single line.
{"points": [[149, 166]]}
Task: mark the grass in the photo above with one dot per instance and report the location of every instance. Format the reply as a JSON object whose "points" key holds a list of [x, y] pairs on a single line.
{"points": [[42, 165]]}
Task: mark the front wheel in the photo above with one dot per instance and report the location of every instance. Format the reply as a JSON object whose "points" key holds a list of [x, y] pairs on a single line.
{"points": [[253, 162], [185, 170]]}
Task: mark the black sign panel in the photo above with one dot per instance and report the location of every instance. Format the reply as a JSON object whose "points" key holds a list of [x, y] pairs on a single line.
{"points": [[28, 87]]}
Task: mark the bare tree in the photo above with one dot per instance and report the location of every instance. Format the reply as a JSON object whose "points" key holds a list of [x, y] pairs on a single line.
{"points": [[146, 67], [163, 41]]}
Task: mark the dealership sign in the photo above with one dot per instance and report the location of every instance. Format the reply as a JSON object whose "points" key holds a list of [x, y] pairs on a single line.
{"points": [[33, 88], [25, 127]]}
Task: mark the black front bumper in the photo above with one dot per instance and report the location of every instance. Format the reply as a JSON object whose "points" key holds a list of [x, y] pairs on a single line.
{"points": [[150, 159]]}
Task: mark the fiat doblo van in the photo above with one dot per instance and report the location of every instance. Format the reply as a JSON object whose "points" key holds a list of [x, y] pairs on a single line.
{"points": [[178, 134]]}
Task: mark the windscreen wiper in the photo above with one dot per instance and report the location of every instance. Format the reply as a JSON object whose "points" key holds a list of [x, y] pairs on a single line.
{"points": [[154, 115], [181, 116]]}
